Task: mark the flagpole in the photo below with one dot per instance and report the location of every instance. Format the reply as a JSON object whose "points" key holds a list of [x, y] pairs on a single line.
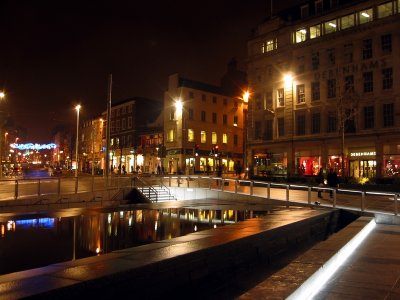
{"points": [[107, 166]]}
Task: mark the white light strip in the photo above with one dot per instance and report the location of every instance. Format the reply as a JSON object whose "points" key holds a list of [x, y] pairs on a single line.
{"points": [[364, 14], [313, 285]]}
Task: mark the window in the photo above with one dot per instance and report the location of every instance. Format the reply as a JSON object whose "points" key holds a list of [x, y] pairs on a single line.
{"points": [[388, 115], [300, 64], [214, 99], [315, 91], [350, 122], [214, 118], [190, 135], [315, 123], [203, 137], [315, 31], [214, 140], [348, 53], [349, 84], [330, 26], [387, 78], [365, 16], [347, 21], [235, 121], [171, 135], [118, 111], [281, 97], [268, 130], [281, 127], [129, 122], [235, 139], [315, 60], [268, 100], [368, 117], [367, 49], [368, 82], [224, 119], [123, 124], [331, 88], [130, 108], [385, 10], [301, 96], [257, 130], [301, 125], [319, 7], [203, 97], [117, 125], [269, 45], [386, 43], [172, 114], [191, 95], [191, 114], [203, 115], [112, 126], [331, 56], [300, 35], [332, 121], [224, 138], [304, 11]]}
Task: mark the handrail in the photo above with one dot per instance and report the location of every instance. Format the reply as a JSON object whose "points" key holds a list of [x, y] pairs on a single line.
{"points": [[144, 184]]}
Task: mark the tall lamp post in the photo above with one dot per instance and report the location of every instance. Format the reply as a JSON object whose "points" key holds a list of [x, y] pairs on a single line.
{"points": [[246, 96], [77, 108], [2, 96], [288, 79]]}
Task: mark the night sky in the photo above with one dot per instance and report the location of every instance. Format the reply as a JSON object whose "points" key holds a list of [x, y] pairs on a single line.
{"points": [[55, 54]]}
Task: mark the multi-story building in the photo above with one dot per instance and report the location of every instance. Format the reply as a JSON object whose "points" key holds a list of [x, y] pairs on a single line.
{"points": [[91, 152], [135, 135], [203, 127], [323, 78]]}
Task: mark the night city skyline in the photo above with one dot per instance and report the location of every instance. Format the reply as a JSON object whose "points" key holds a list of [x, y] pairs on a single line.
{"points": [[58, 56]]}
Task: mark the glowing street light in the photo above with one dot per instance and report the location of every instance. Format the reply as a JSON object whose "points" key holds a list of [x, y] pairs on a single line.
{"points": [[77, 108], [2, 96]]}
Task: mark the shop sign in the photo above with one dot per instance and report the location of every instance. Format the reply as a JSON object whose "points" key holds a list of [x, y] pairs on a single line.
{"points": [[366, 153]]}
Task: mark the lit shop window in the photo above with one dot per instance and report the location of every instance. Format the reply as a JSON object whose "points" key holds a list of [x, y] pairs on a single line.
{"points": [[330, 26], [203, 137], [190, 135], [347, 21], [300, 35], [315, 31], [385, 10], [365, 16]]}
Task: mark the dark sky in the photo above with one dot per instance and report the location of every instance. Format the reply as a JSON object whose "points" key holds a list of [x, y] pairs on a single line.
{"points": [[55, 54]]}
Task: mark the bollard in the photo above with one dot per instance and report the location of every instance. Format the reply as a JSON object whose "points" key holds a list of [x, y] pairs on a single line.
{"points": [[251, 188], [309, 195], [268, 190], [362, 201], [395, 205], [287, 195], [236, 186], [16, 190], [334, 198]]}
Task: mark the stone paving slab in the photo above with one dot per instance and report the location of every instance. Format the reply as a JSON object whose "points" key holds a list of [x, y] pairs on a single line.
{"points": [[159, 264]]}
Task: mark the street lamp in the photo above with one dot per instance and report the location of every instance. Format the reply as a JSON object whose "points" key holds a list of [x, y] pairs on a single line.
{"points": [[2, 96], [245, 98], [288, 79], [77, 108]]}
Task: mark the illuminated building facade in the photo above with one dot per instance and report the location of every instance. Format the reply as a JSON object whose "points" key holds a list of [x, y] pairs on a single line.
{"points": [[323, 79], [203, 127], [91, 144]]}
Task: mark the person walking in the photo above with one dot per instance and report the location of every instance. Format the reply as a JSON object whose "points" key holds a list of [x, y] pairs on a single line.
{"points": [[320, 181], [332, 181]]}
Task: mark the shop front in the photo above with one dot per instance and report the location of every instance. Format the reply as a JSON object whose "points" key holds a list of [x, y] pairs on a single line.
{"points": [[362, 163], [270, 164]]}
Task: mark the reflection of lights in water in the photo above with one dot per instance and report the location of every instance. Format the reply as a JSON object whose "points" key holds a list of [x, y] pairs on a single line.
{"points": [[195, 227], [121, 214], [10, 225], [109, 229], [109, 218], [155, 226], [130, 221], [3, 229], [116, 231], [97, 250], [215, 225]]}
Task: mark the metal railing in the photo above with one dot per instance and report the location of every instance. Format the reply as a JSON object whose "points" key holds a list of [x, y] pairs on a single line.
{"points": [[64, 187]]}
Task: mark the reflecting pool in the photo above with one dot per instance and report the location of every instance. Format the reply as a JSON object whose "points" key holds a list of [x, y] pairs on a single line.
{"points": [[40, 240]]}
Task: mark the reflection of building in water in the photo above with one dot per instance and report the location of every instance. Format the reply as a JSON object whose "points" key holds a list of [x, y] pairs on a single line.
{"points": [[343, 63]]}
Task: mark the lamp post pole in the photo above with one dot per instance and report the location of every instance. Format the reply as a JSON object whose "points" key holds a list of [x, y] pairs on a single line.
{"points": [[78, 107], [179, 114], [246, 96], [288, 79], [2, 95]]}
